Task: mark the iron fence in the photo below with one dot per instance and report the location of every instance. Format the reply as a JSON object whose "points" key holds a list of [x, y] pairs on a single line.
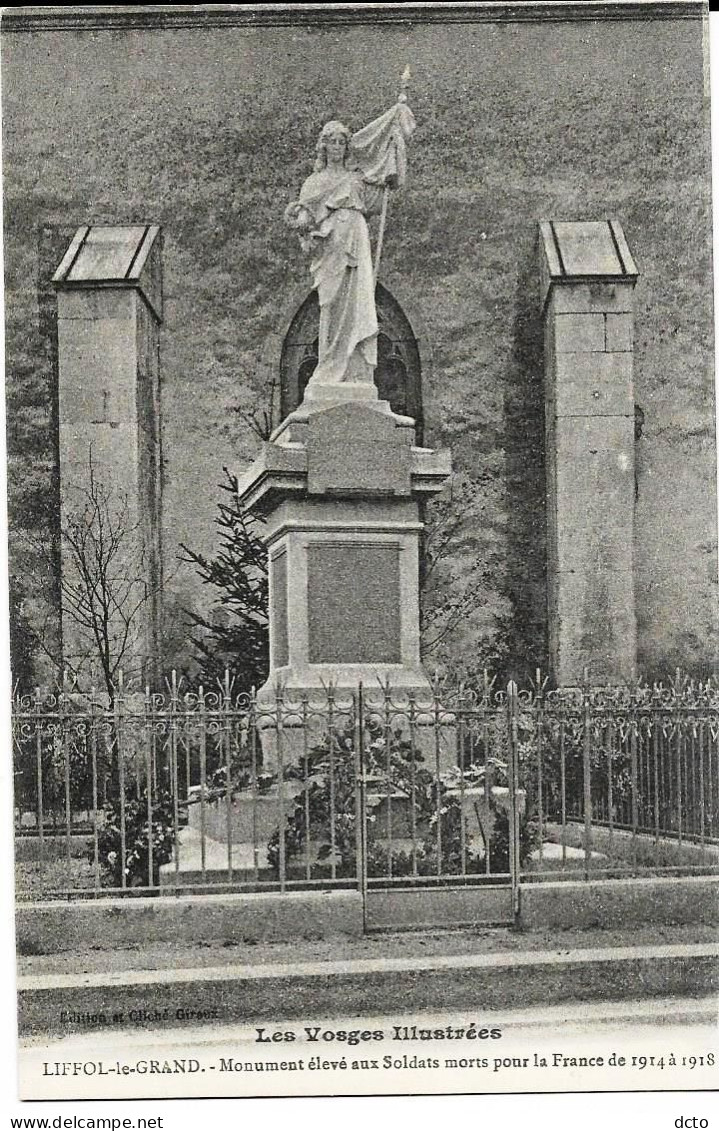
{"points": [[203, 789]]}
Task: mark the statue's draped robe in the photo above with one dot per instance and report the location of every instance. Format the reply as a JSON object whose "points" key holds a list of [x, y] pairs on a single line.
{"points": [[338, 201]]}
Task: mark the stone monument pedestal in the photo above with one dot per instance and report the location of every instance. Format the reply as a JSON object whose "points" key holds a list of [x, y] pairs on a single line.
{"points": [[340, 484]]}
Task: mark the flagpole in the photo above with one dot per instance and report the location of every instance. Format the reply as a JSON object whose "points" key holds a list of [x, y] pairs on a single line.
{"points": [[380, 234], [385, 190]]}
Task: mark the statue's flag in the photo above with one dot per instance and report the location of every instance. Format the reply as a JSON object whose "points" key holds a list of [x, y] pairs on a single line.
{"points": [[380, 148]]}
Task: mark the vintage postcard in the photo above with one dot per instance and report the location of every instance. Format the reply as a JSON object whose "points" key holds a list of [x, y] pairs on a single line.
{"points": [[362, 543]]}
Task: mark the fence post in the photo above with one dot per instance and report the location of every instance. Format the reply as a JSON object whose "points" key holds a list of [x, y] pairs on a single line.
{"points": [[306, 784], [93, 755], [118, 704], [227, 752], [539, 719], [201, 703], [587, 774], [38, 762], [360, 805], [681, 778], [634, 764], [174, 777], [512, 780], [148, 789], [333, 796], [281, 844], [65, 738], [438, 776], [252, 719]]}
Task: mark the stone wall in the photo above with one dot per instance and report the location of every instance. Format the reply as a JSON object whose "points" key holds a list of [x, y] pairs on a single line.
{"points": [[210, 132]]}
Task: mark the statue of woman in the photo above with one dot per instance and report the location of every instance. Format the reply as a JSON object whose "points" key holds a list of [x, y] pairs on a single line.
{"points": [[351, 173]]}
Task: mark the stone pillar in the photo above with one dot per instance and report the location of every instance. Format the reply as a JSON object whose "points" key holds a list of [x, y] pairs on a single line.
{"points": [[109, 299], [587, 289]]}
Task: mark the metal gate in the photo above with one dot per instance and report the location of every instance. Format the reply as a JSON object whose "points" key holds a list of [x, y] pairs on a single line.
{"points": [[439, 808]]}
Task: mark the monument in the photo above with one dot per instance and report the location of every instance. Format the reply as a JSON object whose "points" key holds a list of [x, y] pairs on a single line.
{"points": [[341, 481], [340, 484]]}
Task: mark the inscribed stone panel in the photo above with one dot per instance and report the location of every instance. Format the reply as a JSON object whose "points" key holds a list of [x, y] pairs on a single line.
{"points": [[278, 592], [587, 248], [107, 253], [353, 602], [356, 450]]}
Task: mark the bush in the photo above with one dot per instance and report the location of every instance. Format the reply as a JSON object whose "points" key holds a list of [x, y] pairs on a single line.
{"points": [[137, 841], [310, 818]]}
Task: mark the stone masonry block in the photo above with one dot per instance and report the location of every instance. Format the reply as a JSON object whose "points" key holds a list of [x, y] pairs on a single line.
{"points": [[619, 903], [96, 357], [550, 356], [90, 304], [593, 384], [596, 539], [620, 332], [587, 298], [113, 450], [352, 448], [51, 928], [580, 439], [596, 470], [592, 514], [596, 626], [579, 333], [591, 503]]}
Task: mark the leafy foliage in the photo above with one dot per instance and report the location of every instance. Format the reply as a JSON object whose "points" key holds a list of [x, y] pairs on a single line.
{"points": [[560, 751], [323, 817], [324, 809], [137, 839], [21, 641]]}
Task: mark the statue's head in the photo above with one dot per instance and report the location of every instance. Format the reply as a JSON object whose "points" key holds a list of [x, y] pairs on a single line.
{"points": [[332, 135]]}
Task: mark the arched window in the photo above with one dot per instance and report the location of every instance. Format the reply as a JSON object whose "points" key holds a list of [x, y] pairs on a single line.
{"points": [[397, 376]]}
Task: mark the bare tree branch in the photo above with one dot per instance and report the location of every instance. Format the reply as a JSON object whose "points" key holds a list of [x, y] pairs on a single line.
{"points": [[104, 588]]}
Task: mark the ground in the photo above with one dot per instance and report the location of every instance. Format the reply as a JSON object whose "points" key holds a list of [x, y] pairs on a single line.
{"points": [[420, 944]]}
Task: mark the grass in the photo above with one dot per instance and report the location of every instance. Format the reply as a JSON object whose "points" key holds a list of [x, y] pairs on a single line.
{"points": [[35, 881], [621, 856]]}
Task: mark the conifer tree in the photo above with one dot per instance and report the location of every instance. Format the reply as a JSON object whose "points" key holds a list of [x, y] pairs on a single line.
{"points": [[235, 635]]}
